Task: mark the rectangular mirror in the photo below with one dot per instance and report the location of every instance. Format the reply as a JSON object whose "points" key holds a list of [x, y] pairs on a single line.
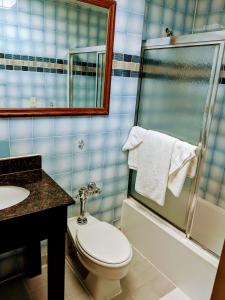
{"points": [[56, 57]]}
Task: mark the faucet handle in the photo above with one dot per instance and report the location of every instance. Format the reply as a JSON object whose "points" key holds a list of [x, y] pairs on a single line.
{"points": [[93, 189], [98, 190]]}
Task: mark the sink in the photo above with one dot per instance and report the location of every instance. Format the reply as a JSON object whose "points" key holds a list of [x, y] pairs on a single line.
{"points": [[11, 195]]}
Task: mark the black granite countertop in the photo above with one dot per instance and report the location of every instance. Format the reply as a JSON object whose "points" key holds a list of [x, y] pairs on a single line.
{"points": [[45, 193]]}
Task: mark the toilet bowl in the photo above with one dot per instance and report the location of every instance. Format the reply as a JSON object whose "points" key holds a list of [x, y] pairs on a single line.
{"points": [[105, 252]]}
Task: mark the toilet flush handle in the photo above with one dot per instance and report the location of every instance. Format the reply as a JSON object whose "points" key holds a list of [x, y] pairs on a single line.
{"points": [[83, 193], [82, 196]]}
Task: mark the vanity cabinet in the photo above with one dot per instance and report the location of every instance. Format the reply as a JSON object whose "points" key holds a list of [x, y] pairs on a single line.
{"points": [[42, 215]]}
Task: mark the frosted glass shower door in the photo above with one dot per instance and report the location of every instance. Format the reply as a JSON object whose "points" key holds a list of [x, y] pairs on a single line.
{"points": [[175, 92]]}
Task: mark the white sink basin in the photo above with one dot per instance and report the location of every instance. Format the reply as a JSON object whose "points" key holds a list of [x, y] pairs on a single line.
{"points": [[11, 195]]}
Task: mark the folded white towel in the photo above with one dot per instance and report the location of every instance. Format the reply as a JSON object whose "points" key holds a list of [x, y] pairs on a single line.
{"points": [[183, 164], [135, 138], [154, 157]]}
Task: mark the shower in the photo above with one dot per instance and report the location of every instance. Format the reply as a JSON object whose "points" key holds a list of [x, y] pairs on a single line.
{"points": [[178, 95]]}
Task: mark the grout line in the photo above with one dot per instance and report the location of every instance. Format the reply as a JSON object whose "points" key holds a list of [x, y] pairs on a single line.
{"points": [[154, 266]]}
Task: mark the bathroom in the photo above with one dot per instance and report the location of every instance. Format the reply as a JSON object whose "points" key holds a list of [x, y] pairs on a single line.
{"points": [[83, 144]]}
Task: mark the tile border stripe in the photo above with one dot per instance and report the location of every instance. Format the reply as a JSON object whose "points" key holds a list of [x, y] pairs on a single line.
{"points": [[123, 65]]}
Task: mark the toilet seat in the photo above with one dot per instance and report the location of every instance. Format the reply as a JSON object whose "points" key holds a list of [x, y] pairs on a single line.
{"points": [[104, 244]]}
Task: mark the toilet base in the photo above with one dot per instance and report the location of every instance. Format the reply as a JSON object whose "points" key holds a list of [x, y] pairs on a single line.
{"points": [[102, 288]]}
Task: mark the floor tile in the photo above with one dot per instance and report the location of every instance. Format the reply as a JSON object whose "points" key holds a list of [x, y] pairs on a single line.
{"points": [[145, 292], [139, 273], [161, 285], [123, 296], [143, 282]]}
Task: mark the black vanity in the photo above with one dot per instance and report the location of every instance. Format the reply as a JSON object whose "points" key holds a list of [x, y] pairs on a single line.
{"points": [[43, 215]]}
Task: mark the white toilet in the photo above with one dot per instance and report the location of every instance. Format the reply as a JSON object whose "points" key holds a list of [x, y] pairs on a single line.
{"points": [[105, 252]]}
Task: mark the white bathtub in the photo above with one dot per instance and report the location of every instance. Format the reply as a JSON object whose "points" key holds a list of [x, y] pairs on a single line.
{"points": [[188, 266]]}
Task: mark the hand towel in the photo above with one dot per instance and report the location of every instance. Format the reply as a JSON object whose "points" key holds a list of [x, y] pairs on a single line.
{"points": [[135, 138], [183, 164], [153, 165]]}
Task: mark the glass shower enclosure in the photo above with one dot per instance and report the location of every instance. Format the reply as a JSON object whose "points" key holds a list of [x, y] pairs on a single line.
{"points": [[86, 73], [177, 95]]}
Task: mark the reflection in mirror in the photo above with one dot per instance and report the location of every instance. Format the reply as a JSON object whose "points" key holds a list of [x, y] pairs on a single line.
{"points": [[86, 76], [53, 54]]}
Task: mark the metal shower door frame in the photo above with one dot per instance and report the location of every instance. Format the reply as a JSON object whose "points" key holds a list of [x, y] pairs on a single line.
{"points": [[99, 53], [202, 39]]}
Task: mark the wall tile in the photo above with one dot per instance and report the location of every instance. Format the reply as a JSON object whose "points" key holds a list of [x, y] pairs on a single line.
{"points": [[63, 163], [119, 42], [96, 159], [4, 129], [4, 148], [94, 205], [21, 128], [63, 126], [63, 145], [64, 180], [44, 146], [122, 18], [80, 179], [21, 147], [81, 161], [48, 164], [133, 43], [135, 24], [43, 127]]}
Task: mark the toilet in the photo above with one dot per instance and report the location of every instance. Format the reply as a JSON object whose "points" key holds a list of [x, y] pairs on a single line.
{"points": [[105, 252]]}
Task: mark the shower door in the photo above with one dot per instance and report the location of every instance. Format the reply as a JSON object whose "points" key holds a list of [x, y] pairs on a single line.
{"points": [[86, 74], [176, 92]]}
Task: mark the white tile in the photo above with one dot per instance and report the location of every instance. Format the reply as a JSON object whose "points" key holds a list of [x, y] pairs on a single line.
{"points": [[121, 21], [21, 147], [21, 128], [119, 41], [135, 24], [133, 43]]}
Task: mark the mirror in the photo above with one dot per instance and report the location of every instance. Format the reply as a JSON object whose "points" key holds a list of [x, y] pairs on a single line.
{"points": [[56, 57]]}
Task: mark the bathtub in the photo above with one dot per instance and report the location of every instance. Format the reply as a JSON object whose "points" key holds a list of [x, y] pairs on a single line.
{"points": [[191, 268]]}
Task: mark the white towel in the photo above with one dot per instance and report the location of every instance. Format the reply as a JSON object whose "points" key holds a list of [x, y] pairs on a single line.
{"points": [[135, 138], [154, 157], [161, 161], [183, 164]]}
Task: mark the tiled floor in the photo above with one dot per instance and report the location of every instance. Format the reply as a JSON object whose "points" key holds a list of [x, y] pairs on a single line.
{"points": [[143, 282]]}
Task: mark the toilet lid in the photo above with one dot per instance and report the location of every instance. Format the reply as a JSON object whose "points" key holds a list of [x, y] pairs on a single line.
{"points": [[104, 243]]}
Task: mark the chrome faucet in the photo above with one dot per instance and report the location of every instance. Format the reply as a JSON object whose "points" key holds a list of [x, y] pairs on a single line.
{"points": [[83, 193]]}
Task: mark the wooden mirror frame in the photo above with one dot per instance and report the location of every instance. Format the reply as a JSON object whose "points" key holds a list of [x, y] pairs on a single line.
{"points": [[43, 112]]}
